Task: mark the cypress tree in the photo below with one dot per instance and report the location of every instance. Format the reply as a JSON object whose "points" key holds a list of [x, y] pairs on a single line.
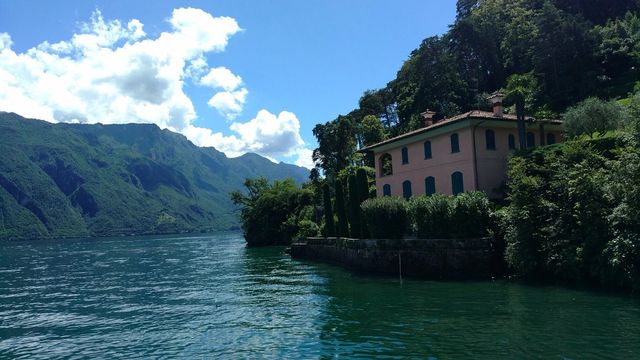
{"points": [[343, 226], [329, 225], [354, 207], [363, 191], [363, 184]]}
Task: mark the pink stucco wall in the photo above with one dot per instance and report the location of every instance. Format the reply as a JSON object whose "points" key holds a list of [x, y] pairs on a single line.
{"points": [[491, 164]]}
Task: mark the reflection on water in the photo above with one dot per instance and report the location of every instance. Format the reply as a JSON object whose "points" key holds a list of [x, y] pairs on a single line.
{"points": [[209, 296]]}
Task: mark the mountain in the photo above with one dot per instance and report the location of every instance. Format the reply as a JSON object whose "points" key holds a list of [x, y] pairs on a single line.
{"points": [[68, 180]]}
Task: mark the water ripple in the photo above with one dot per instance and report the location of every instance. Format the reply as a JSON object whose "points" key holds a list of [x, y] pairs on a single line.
{"points": [[209, 296]]}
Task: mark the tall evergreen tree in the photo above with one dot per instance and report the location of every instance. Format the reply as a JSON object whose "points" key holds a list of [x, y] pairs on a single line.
{"points": [[329, 225], [363, 194], [343, 225], [354, 207]]}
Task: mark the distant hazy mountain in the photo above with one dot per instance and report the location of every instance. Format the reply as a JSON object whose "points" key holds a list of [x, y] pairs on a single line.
{"points": [[60, 180]]}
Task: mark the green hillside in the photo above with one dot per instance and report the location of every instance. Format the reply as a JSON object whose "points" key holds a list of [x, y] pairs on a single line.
{"points": [[556, 53], [61, 180]]}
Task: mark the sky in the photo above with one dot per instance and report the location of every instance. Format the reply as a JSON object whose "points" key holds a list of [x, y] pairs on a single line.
{"points": [[238, 75]]}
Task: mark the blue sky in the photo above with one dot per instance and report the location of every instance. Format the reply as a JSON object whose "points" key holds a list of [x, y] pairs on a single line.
{"points": [[276, 68]]}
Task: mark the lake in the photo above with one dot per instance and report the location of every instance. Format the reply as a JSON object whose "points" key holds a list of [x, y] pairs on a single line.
{"points": [[211, 297]]}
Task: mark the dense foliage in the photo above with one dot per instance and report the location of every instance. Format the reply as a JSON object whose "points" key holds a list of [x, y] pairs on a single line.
{"points": [[329, 223], [272, 214], [432, 216], [467, 215], [439, 216], [550, 54], [386, 217], [574, 211], [593, 117], [354, 208], [341, 212], [61, 180]]}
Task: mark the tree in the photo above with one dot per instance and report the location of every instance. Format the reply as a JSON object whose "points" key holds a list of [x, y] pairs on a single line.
{"points": [[619, 53], [521, 88], [593, 116], [354, 207], [464, 8], [520, 36], [429, 79], [336, 145], [381, 104], [343, 226], [598, 11], [329, 225], [363, 194], [564, 58], [269, 212], [371, 130], [623, 251]]}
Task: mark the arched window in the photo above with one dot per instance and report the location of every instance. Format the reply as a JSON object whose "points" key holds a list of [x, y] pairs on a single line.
{"points": [[455, 145], [430, 185], [427, 149], [406, 189], [551, 139], [512, 142], [405, 155], [490, 137], [531, 140], [386, 167], [386, 190], [457, 183]]}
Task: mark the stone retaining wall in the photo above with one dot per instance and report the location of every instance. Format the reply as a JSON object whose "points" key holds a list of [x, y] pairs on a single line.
{"points": [[432, 259]]}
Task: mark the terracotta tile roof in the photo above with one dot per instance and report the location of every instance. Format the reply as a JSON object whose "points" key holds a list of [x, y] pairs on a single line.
{"points": [[476, 114]]}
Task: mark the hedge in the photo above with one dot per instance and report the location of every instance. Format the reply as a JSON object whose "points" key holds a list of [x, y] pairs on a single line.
{"points": [[386, 217]]}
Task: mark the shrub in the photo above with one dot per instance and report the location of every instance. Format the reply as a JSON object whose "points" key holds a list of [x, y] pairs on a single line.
{"points": [[431, 215], [440, 216], [307, 228], [623, 250], [386, 217], [470, 215], [562, 213]]}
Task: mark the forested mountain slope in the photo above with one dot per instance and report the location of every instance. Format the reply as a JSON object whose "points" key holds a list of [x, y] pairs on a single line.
{"points": [[59, 180]]}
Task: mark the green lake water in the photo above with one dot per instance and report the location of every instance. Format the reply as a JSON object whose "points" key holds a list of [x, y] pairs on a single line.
{"points": [[211, 297]]}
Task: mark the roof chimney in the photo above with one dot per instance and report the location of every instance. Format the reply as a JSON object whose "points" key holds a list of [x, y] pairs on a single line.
{"points": [[496, 103], [428, 117]]}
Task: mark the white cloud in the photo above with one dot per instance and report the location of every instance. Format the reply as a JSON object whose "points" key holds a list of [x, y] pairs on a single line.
{"points": [[113, 73], [270, 134], [196, 68], [229, 103], [5, 41], [305, 158], [221, 77], [267, 134]]}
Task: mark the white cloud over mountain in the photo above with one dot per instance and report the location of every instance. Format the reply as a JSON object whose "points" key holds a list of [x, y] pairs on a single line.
{"points": [[111, 72], [268, 134]]}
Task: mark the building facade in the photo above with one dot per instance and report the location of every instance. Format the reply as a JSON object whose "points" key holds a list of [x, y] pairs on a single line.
{"points": [[463, 153]]}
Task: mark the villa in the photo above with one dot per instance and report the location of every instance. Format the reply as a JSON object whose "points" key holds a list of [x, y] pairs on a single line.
{"points": [[463, 153]]}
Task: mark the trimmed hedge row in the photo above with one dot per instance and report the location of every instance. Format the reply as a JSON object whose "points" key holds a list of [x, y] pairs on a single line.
{"points": [[386, 217], [467, 215]]}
